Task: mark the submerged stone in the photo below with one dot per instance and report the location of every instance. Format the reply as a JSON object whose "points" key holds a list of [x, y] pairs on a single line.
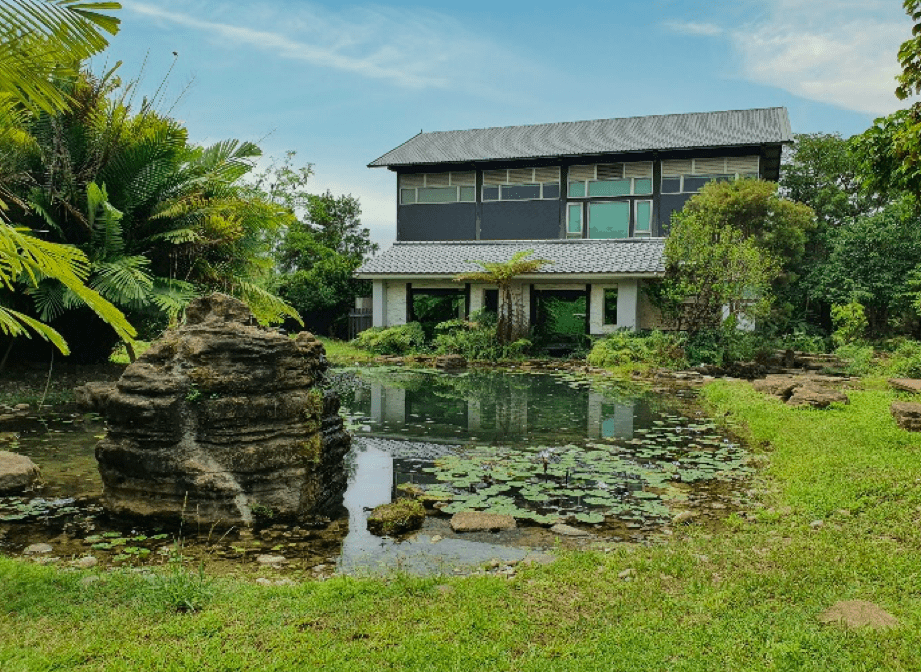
{"points": [[224, 422], [399, 517]]}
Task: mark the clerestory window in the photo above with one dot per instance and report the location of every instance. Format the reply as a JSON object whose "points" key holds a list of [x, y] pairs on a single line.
{"points": [[451, 187], [521, 184], [688, 176]]}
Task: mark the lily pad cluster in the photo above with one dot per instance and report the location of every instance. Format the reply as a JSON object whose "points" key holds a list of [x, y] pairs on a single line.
{"points": [[15, 509], [633, 480]]}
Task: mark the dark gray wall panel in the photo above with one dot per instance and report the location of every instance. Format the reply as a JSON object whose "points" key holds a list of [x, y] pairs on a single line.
{"points": [[449, 221], [670, 203], [520, 220]]}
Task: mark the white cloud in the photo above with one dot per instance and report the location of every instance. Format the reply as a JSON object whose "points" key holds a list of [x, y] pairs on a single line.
{"points": [[692, 28], [840, 52], [421, 49]]}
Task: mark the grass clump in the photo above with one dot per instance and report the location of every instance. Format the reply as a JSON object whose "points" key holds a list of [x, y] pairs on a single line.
{"points": [[180, 588]]}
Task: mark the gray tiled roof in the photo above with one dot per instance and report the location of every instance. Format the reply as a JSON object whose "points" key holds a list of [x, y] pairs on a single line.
{"points": [[640, 256], [602, 136]]}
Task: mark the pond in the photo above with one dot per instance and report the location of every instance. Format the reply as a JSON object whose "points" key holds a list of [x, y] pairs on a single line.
{"points": [[615, 463]]}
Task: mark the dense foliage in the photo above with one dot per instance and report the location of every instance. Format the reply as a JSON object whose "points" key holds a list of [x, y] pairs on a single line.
{"points": [[39, 44], [729, 248], [319, 249]]}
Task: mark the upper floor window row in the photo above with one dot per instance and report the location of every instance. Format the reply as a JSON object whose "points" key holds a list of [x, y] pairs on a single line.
{"points": [[611, 179], [521, 184], [452, 187], [684, 176]]}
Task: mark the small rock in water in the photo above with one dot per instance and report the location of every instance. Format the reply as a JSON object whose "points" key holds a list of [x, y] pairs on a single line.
{"points": [[271, 559], [568, 531], [86, 562], [37, 549]]}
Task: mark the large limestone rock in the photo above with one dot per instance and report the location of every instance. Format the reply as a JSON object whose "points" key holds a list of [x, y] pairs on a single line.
{"points": [[222, 419]]}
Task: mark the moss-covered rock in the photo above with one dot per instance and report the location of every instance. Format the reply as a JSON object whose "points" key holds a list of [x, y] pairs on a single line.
{"points": [[399, 517]]}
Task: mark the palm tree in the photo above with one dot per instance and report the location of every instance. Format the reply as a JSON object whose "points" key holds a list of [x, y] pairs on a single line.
{"points": [[41, 40], [510, 324]]}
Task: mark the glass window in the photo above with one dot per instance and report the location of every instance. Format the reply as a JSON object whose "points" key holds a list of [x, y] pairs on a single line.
{"points": [[490, 193], [694, 183], [609, 220], [643, 224], [551, 190], [577, 189], [671, 185], [609, 188], [407, 196], [574, 226], [437, 194], [642, 185], [610, 305], [468, 194], [520, 192]]}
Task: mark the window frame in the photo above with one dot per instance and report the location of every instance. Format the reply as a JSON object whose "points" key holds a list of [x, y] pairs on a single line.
{"points": [[532, 182], [456, 187], [571, 235], [647, 232], [588, 218]]}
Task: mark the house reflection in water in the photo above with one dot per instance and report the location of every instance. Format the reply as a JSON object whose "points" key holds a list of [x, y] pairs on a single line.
{"points": [[537, 410]]}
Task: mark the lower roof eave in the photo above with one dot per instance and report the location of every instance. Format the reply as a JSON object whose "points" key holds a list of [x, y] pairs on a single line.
{"points": [[534, 277]]}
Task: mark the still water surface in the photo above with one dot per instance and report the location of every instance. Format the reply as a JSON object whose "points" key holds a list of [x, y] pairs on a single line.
{"points": [[543, 448]]}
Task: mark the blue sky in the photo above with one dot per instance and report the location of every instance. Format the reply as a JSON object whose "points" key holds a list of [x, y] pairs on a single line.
{"points": [[344, 83]]}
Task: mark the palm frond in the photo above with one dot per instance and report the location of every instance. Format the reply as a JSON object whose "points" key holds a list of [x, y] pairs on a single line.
{"points": [[266, 307], [14, 323], [41, 38]]}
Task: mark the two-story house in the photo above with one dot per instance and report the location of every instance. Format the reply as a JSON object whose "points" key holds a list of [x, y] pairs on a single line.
{"points": [[593, 197]]}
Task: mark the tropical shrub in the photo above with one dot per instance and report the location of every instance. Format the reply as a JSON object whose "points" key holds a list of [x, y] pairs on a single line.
{"points": [[400, 340], [850, 322], [476, 339], [624, 348]]}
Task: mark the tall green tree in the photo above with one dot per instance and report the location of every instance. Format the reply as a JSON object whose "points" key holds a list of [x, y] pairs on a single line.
{"points": [[891, 149], [319, 248], [730, 248]]}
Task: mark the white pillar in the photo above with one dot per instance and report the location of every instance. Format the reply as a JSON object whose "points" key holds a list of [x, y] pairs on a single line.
{"points": [[627, 295], [379, 303]]}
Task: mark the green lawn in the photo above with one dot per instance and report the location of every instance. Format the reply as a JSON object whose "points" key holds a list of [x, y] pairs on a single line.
{"points": [[744, 599]]}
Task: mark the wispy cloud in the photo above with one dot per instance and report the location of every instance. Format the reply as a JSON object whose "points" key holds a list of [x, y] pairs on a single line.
{"points": [[841, 52], [423, 50], [693, 28]]}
